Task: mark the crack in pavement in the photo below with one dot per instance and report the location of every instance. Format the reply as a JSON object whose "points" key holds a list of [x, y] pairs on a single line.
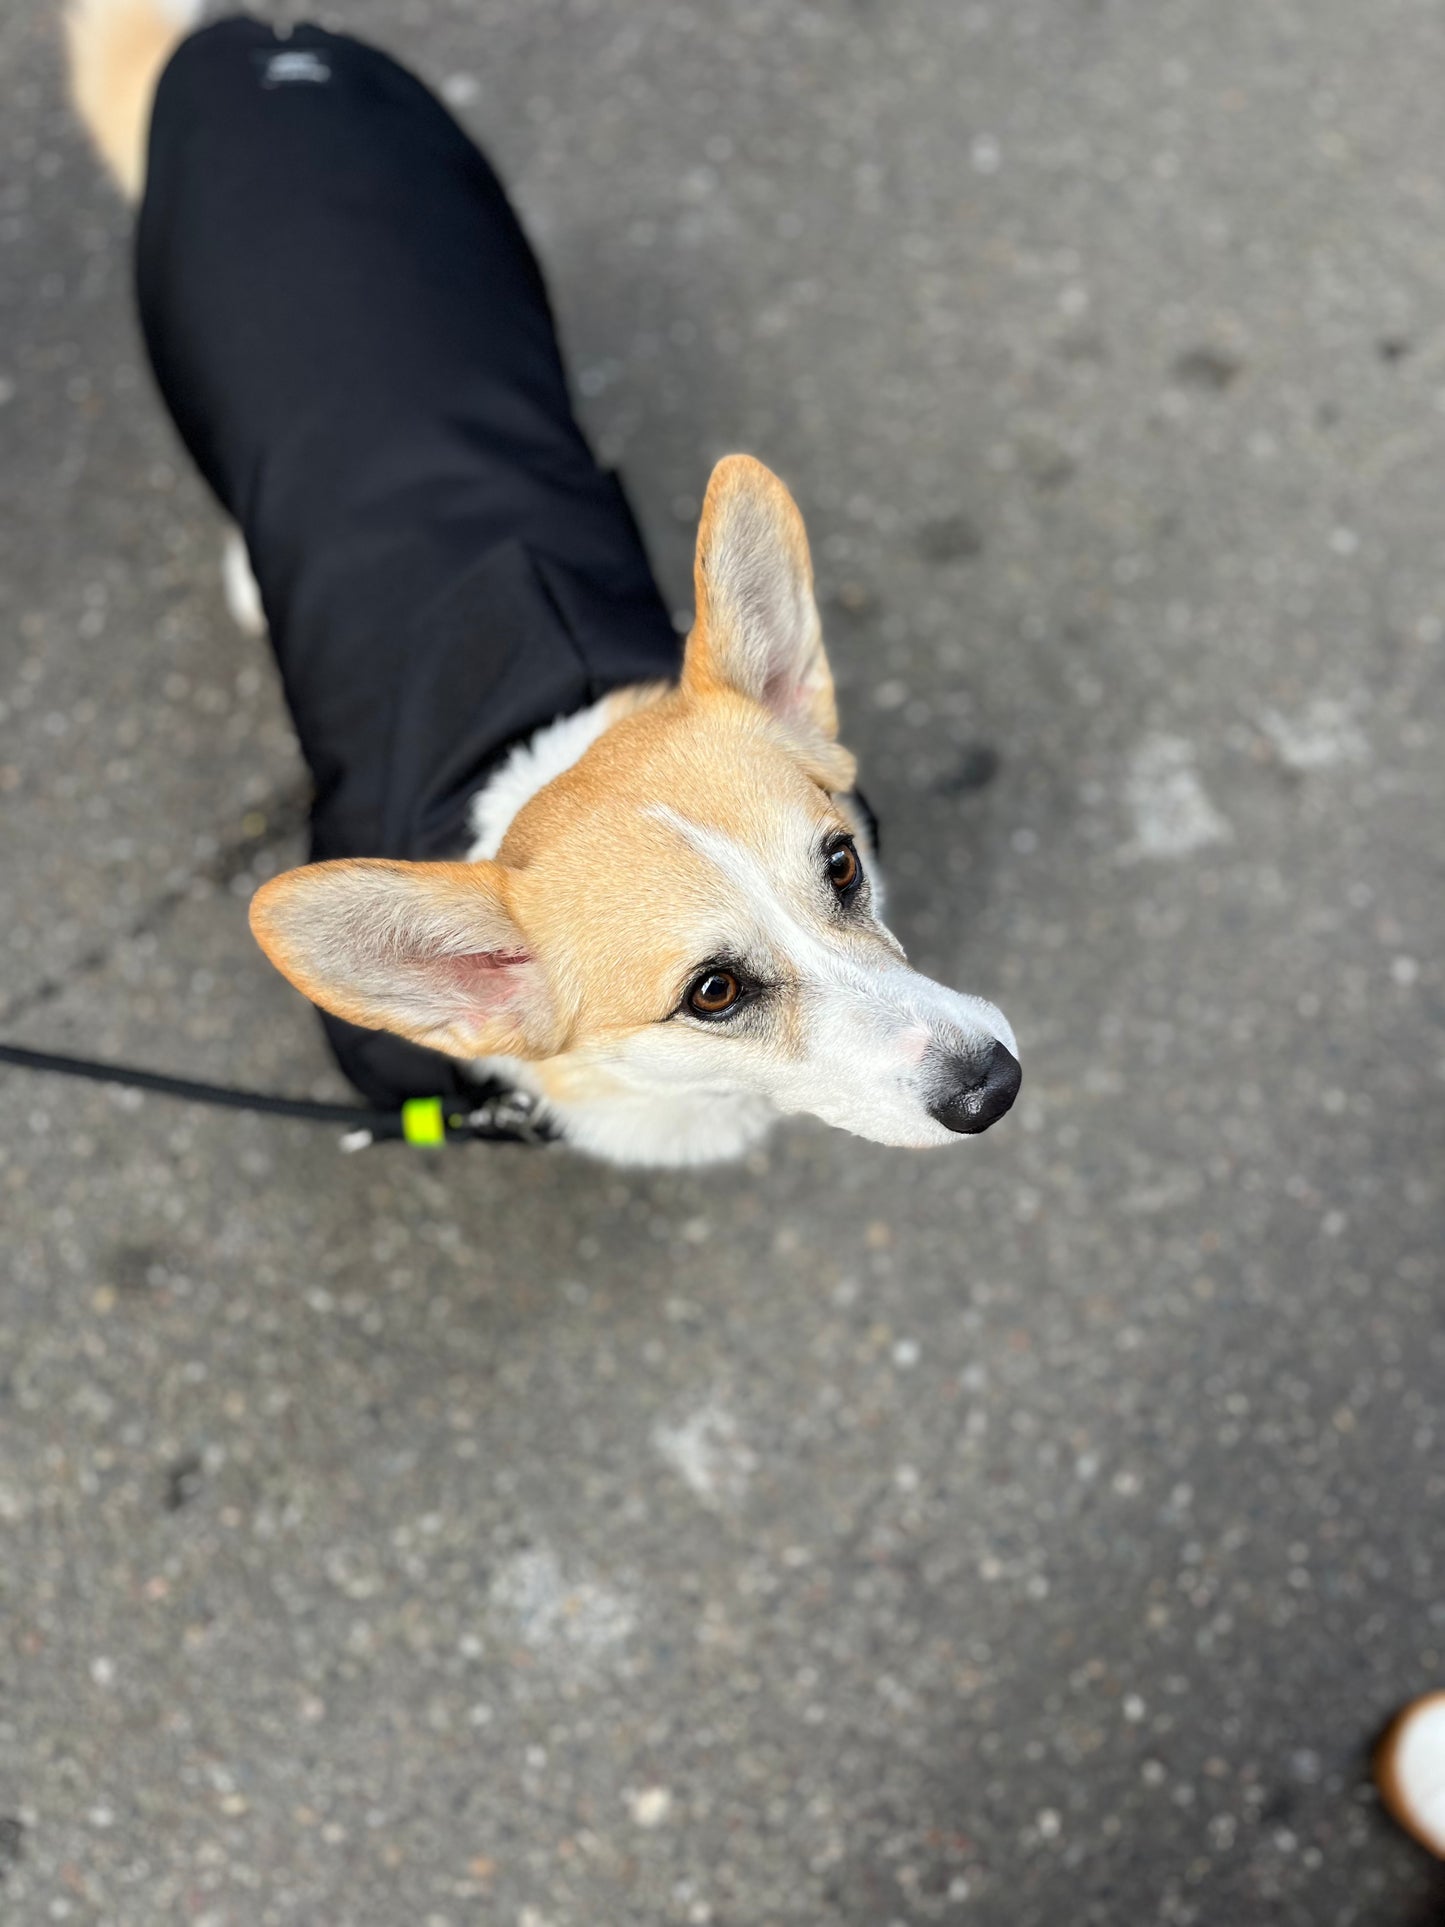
{"points": [[284, 816]]}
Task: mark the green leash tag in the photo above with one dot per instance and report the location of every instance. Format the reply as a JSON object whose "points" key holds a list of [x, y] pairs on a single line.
{"points": [[423, 1121]]}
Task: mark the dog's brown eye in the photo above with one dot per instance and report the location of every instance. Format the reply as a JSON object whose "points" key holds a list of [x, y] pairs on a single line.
{"points": [[714, 992], [844, 869]]}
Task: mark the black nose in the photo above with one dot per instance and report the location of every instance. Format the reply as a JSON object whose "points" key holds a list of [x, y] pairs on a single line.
{"points": [[979, 1094]]}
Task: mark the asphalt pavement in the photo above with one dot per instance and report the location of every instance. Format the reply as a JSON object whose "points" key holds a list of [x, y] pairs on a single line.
{"points": [[1035, 1532]]}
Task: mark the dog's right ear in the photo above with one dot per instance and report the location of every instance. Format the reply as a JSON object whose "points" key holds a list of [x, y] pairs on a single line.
{"points": [[431, 951], [758, 630]]}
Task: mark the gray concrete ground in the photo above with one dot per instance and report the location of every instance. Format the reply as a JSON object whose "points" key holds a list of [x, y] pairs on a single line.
{"points": [[1030, 1534]]}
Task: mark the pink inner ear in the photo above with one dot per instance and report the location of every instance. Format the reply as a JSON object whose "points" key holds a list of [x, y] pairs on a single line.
{"points": [[485, 978], [783, 694]]}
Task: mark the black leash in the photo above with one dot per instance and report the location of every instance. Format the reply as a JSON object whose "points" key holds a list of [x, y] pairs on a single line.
{"points": [[500, 1117]]}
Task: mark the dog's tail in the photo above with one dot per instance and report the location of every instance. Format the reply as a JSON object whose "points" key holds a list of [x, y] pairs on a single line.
{"points": [[117, 51]]}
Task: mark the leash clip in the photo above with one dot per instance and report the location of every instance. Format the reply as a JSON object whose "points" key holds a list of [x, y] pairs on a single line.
{"points": [[428, 1122], [510, 1113]]}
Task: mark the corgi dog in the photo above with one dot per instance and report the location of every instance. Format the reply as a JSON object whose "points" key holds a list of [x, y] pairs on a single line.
{"points": [[654, 907]]}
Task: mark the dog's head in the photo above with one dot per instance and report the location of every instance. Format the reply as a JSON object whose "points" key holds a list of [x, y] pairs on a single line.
{"points": [[689, 909]]}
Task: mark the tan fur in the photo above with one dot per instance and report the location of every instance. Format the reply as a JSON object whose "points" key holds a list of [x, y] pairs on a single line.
{"points": [[601, 883], [117, 51], [622, 909]]}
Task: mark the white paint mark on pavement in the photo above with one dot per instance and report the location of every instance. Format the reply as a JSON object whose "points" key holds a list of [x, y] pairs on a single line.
{"points": [[574, 1619], [707, 1452], [1320, 736], [1172, 812], [649, 1805]]}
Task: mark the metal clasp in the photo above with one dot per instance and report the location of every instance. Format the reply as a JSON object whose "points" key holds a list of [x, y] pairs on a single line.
{"points": [[513, 1112]]}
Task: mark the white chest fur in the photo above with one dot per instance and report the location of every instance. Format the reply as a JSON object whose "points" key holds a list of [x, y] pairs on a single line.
{"points": [[628, 1126]]}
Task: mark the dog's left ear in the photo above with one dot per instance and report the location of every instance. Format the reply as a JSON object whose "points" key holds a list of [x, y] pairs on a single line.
{"points": [[431, 951], [758, 630]]}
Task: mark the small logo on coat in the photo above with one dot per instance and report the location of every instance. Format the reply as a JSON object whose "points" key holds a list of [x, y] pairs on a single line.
{"points": [[299, 66]]}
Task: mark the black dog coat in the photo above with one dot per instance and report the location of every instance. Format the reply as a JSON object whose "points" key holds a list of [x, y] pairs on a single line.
{"points": [[353, 336]]}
